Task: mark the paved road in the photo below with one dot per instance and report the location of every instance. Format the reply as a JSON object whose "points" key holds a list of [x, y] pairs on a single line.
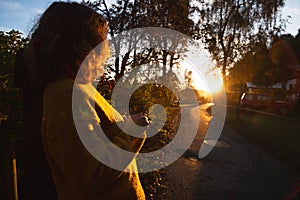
{"points": [[236, 169]]}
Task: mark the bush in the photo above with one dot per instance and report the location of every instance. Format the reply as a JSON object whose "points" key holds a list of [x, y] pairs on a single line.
{"points": [[10, 108]]}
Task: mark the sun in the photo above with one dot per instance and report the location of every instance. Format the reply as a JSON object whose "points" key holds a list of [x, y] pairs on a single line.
{"points": [[210, 83]]}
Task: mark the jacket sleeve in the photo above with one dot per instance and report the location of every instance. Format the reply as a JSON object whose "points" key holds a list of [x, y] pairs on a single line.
{"points": [[100, 134], [76, 146]]}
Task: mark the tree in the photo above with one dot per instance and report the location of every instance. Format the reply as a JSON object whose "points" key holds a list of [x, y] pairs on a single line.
{"points": [[266, 65], [10, 104], [230, 27], [126, 15], [296, 46], [255, 67], [283, 55], [10, 43]]}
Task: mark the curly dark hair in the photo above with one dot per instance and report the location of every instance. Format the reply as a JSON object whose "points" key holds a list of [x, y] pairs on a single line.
{"points": [[63, 37]]}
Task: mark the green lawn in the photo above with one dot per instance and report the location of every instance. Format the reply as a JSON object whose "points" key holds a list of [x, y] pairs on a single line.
{"points": [[278, 135]]}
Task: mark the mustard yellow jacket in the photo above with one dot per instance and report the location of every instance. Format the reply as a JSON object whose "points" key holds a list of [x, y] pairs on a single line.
{"points": [[77, 174]]}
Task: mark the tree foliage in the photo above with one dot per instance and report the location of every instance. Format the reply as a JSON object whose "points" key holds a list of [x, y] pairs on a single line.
{"points": [[10, 104], [267, 65], [230, 27], [284, 54], [255, 66], [126, 15], [10, 43]]}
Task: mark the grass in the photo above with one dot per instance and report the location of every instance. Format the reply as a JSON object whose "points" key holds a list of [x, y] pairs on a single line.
{"points": [[278, 135]]}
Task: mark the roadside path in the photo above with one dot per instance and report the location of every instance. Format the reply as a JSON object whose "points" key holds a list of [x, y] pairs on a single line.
{"points": [[236, 169]]}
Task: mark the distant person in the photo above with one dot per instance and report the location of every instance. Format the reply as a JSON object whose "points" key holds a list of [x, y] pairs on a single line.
{"points": [[62, 39]]}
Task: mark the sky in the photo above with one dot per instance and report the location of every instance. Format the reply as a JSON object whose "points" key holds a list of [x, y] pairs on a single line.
{"points": [[22, 14]]}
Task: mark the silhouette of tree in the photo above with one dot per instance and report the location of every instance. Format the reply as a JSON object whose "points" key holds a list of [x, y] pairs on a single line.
{"points": [[126, 15], [10, 43], [266, 65], [230, 27]]}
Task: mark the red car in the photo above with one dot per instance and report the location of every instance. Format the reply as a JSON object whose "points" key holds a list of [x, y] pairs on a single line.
{"points": [[264, 101]]}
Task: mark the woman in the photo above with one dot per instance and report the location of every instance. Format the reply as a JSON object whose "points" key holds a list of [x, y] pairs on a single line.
{"points": [[61, 41]]}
